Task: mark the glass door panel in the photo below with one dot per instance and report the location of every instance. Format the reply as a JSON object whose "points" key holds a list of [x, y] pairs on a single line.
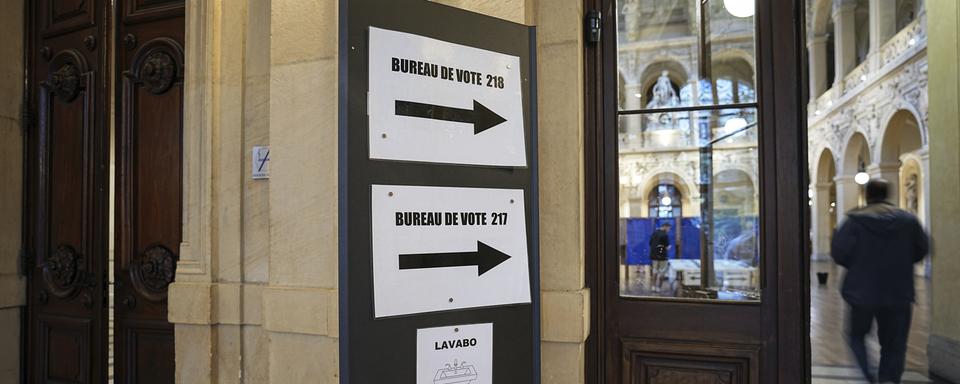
{"points": [[687, 151]]}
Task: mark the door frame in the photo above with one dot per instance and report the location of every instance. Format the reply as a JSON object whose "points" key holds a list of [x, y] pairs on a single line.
{"points": [[784, 222]]}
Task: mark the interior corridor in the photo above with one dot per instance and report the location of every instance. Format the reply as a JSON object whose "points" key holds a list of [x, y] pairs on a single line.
{"points": [[832, 362]]}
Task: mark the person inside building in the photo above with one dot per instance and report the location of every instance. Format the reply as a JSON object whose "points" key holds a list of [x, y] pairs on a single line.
{"points": [[878, 245], [659, 245]]}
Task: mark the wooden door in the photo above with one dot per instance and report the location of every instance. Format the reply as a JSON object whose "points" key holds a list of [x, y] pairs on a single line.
{"points": [[705, 97], [66, 191], [149, 121]]}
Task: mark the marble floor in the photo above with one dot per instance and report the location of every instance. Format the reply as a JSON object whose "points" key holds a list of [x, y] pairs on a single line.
{"points": [[832, 362], [851, 375]]}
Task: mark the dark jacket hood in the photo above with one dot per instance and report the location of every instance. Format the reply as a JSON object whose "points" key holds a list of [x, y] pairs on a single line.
{"points": [[879, 218]]}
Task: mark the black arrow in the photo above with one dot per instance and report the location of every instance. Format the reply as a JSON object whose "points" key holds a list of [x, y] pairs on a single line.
{"points": [[485, 258], [480, 116]]}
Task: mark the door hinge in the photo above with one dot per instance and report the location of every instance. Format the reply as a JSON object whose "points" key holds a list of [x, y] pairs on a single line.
{"points": [[592, 26]]}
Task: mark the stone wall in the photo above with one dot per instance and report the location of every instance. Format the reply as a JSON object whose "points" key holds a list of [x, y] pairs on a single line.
{"points": [[944, 348], [256, 291], [12, 286]]}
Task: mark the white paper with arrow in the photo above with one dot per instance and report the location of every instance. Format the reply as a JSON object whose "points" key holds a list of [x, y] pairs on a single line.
{"points": [[445, 248], [439, 102]]}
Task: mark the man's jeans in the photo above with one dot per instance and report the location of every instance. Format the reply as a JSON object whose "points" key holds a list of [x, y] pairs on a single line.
{"points": [[893, 329]]}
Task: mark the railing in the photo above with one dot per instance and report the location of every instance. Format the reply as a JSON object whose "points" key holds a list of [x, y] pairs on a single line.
{"points": [[903, 45]]}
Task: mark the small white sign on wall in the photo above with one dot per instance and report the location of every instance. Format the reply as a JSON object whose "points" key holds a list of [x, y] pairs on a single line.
{"points": [[455, 354], [261, 162]]}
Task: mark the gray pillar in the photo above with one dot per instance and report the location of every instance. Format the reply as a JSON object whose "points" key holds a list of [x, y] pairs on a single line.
{"points": [[848, 195], [883, 22], [817, 46], [845, 38], [820, 223]]}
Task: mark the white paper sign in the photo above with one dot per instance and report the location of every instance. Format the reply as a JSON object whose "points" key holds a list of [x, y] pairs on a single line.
{"points": [[443, 248], [260, 169], [458, 354], [434, 101]]}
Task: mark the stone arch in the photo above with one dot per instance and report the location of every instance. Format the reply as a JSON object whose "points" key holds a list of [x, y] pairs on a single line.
{"points": [[736, 55], [734, 181], [749, 170], [826, 166], [822, 10], [736, 66], [857, 148], [902, 131], [678, 73], [688, 191], [823, 209]]}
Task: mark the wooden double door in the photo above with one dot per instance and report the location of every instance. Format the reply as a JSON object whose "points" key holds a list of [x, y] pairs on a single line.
{"points": [[104, 129]]}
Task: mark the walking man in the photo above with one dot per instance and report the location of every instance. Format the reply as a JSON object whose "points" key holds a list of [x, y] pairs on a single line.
{"points": [[878, 245], [659, 244]]}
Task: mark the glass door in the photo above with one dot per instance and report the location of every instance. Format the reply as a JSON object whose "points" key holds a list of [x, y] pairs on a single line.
{"points": [[693, 118]]}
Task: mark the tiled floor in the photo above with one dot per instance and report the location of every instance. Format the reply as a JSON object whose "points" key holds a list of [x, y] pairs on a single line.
{"points": [[831, 358], [849, 375]]}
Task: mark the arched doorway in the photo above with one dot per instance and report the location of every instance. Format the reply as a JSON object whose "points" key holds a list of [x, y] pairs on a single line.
{"points": [[903, 163], [901, 137], [823, 205], [856, 157], [665, 201]]}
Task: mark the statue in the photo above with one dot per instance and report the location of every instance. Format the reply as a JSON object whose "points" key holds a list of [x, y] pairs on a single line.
{"points": [[663, 93], [911, 198]]}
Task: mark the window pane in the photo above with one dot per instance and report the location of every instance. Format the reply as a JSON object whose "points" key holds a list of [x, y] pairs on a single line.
{"points": [[689, 206], [668, 58], [730, 43]]}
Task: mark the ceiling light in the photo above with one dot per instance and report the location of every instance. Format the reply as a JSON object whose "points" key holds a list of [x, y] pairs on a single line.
{"points": [[666, 200], [734, 124], [861, 178], [739, 8]]}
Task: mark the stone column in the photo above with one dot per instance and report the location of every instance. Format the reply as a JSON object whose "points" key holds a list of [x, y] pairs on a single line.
{"points": [[924, 209], [889, 171], [631, 102], [848, 195], [12, 285], [925, 188], [944, 171], [883, 22], [845, 38], [817, 47], [820, 222]]}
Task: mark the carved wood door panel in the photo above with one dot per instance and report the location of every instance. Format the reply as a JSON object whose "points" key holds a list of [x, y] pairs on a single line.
{"points": [[149, 109], [66, 189]]}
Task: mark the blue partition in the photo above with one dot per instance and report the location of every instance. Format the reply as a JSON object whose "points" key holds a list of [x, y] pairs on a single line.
{"points": [[639, 231]]}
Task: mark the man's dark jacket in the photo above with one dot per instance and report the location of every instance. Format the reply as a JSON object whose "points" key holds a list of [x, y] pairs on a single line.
{"points": [[659, 241], [879, 244]]}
